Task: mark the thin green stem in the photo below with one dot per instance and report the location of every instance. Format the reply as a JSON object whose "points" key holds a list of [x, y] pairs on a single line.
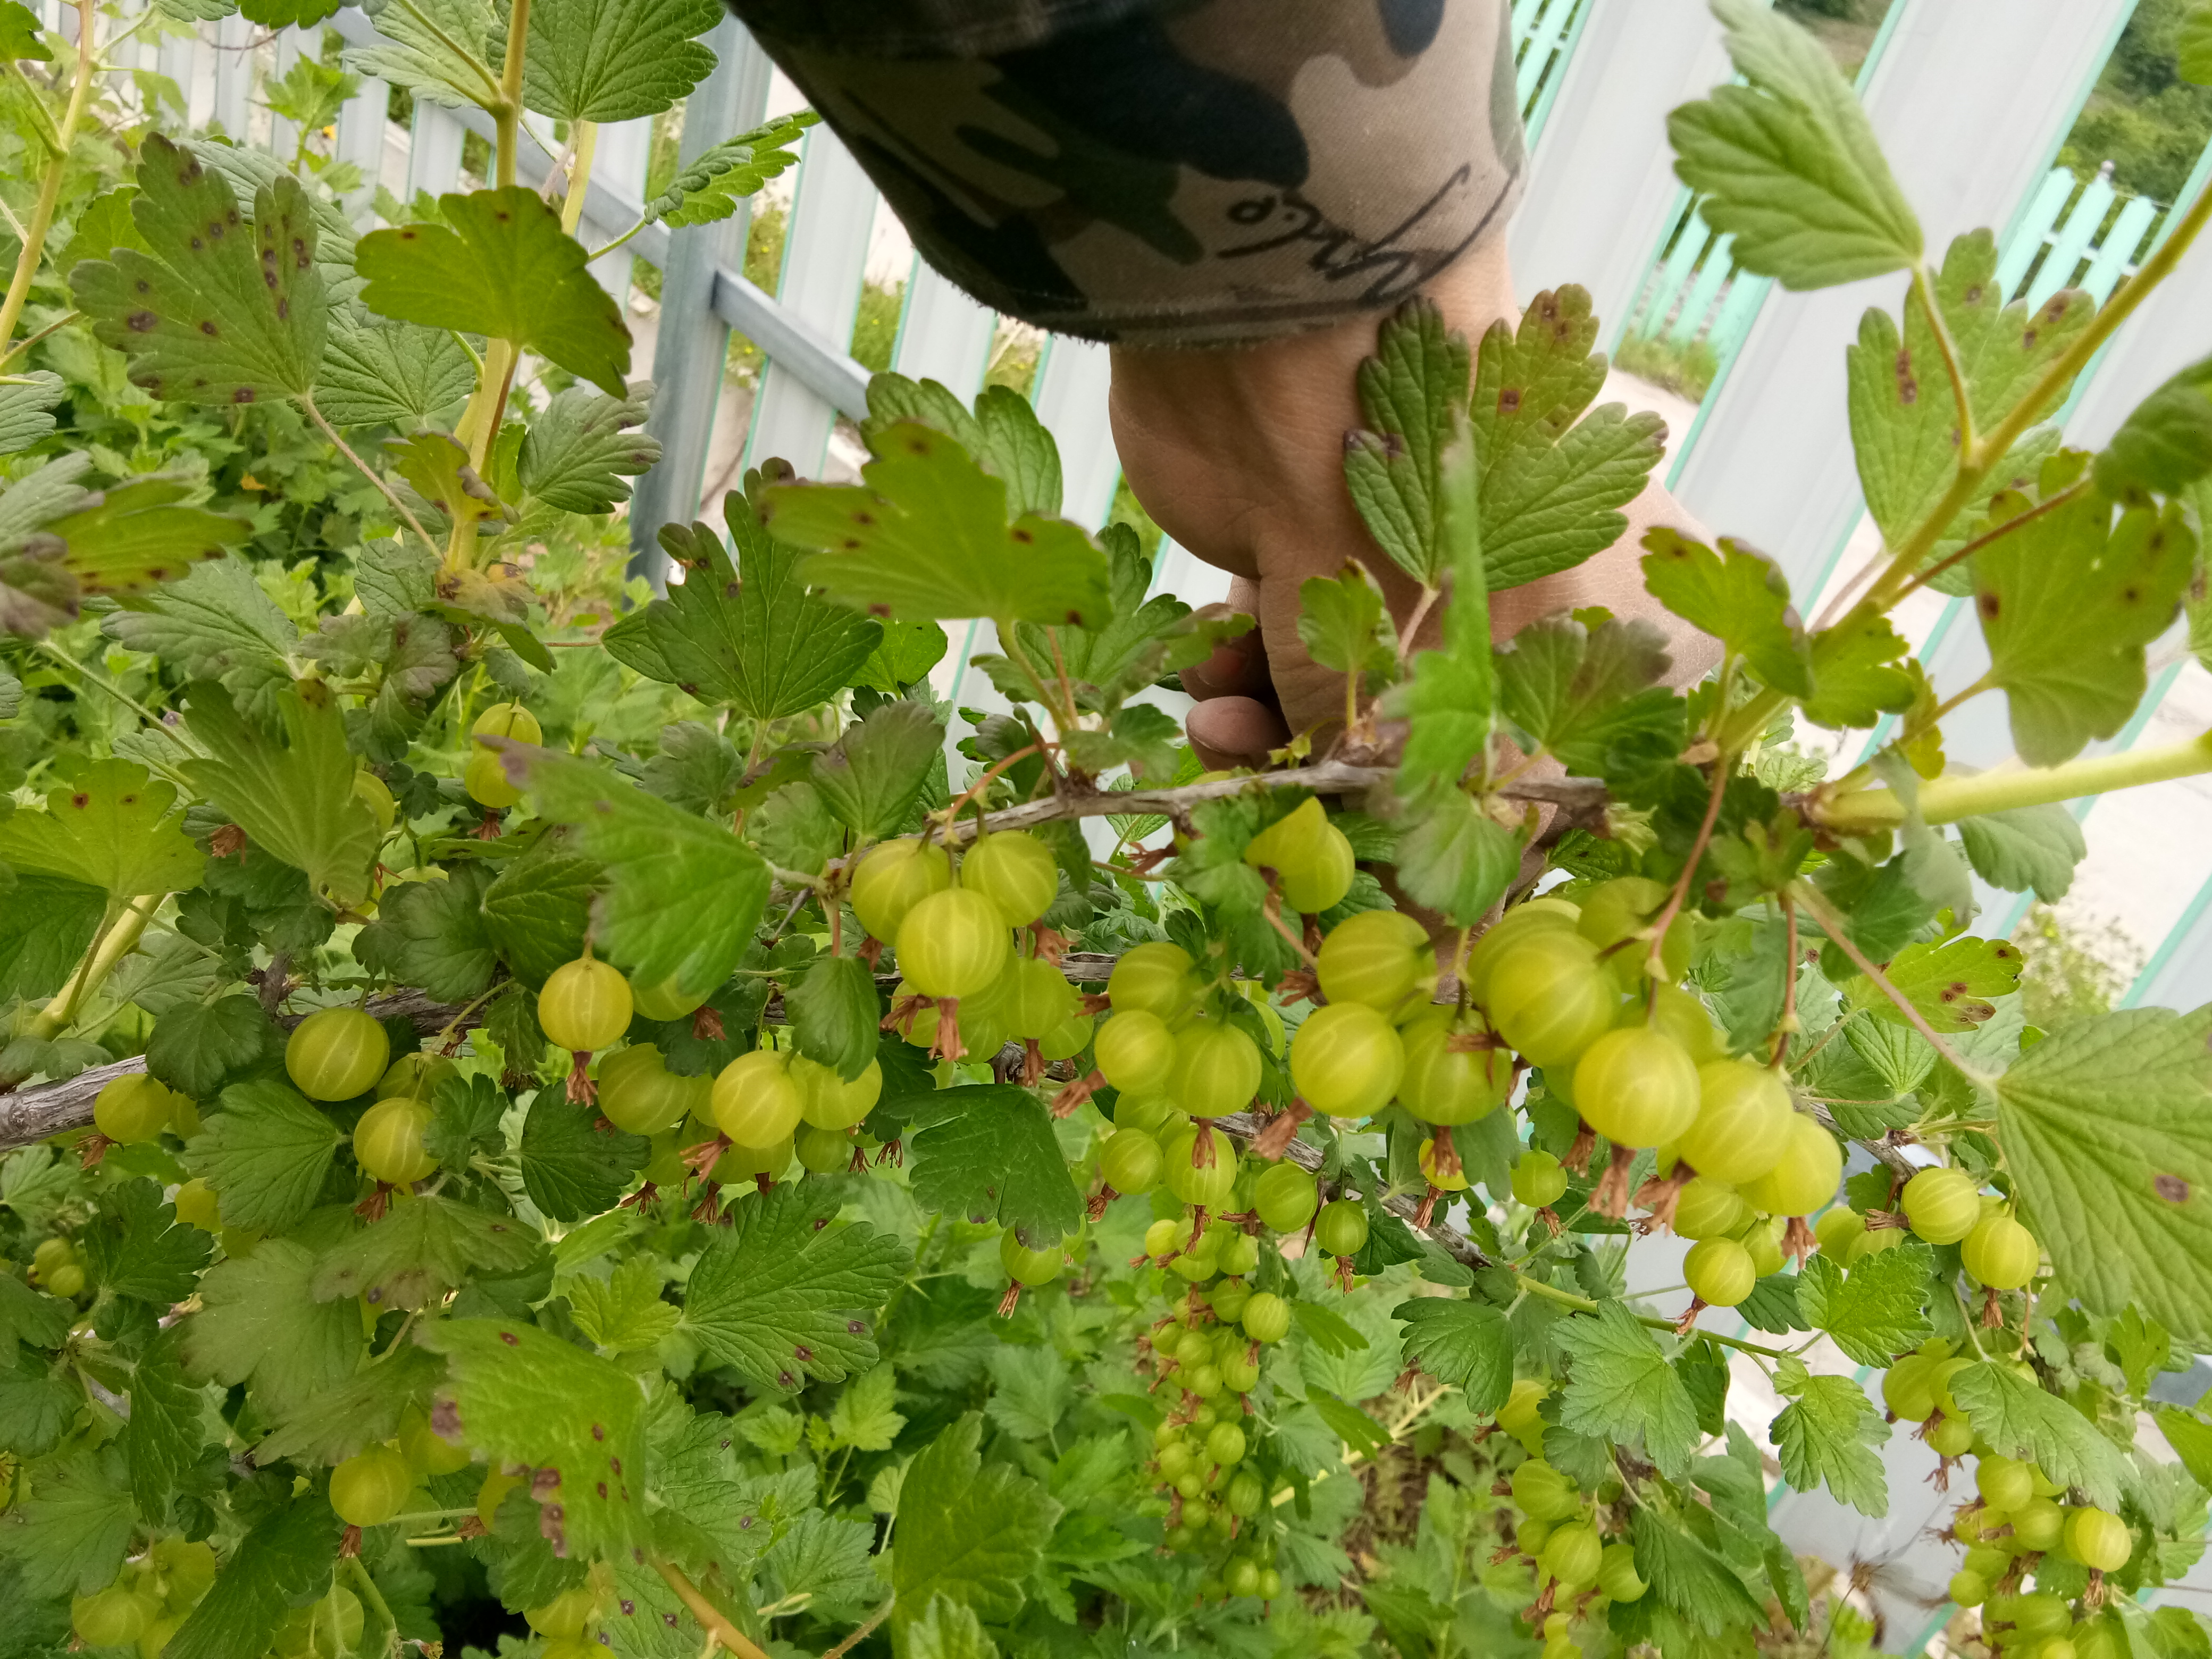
{"points": [[1925, 291], [585, 140], [1834, 926], [509, 114], [860, 1632], [1584, 1304], [50, 187], [1947, 799], [601, 253], [374, 1597], [93, 676], [491, 88], [2058, 499], [406, 517], [704, 1611], [30, 340]]}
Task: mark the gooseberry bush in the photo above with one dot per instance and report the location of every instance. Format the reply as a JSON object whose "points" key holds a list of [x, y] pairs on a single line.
{"points": [[555, 1118]]}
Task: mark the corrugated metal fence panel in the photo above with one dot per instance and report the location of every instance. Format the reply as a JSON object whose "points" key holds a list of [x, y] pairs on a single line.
{"points": [[944, 336]]}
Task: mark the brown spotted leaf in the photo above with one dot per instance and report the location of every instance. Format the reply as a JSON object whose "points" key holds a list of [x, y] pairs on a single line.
{"points": [[420, 1250], [220, 311], [436, 467], [139, 534], [1952, 984], [928, 537], [519, 1395]]}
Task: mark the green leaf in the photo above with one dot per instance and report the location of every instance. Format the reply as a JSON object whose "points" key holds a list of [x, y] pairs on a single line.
{"points": [[524, 1396], [1586, 694], [265, 1153], [623, 1312], [24, 401], [1904, 412], [131, 535], [294, 799], [46, 924], [2105, 1127], [577, 451], [501, 266], [1688, 1577], [2019, 1419], [1454, 859], [2165, 443], [20, 29], [32, 1317], [824, 1555], [421, 1250], [1551, 489], [990, 1155], [2068, 601], [1878, 1310], [35, 1407], [948, 1631], [215, 624], [683, 896], [68, 1537], [435, 466], [1360, 1433], [336, 1422], [196, 1045], [711, 186], [834, 1013], [1855, 678], [432, 935], [969, 1532], [928, 536], [537, 910], [2025, 848], [163, 1439], [902, 658], [1340, 622], [1463, 1344], [1789, 163], [1412, 391], [1950, 983], [782, 1298], [872, 775], [1142, 737], [439, 49], [752, 636], [285, 1561], [1032, 1392], [1451, 700], [794, 830], [220, 311], [2190, 1437], [136, 1247], [258, 1321], [614, 60], [112, 828], [1621, 1387], [385, 374], [1736, 595], [570, 1168]]}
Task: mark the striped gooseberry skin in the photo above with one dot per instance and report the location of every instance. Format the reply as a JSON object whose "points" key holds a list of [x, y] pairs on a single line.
{"points": [[830, 1102], [1153, 978], [1346, 1060], [1943, 1205], [2001, 1254], [586, 1005], [664, 1001], [1217, 1069], [388, 1142], [133, 1107], [639, 1094], [1027, 1267], [1015, 871], [1450, 1086], [1200, 1165], [1340, 1229], [369, 1487], [756, 1102], [1034, 997], [1637, 1087], [891, 878], [1285, 1197], [1130, 1162], [1549, 996], [1719, 1272], [1516, 925], [1136, 1052], [1742, 1126], [953, 944], [1805, 1177], [1378, 958], [337, 1054]]}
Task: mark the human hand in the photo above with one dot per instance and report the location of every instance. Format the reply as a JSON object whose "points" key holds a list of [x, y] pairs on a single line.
{"points": [[1237, 453]]}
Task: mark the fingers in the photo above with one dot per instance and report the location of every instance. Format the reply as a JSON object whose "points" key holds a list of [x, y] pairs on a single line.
{"points": [[1233, 731]]}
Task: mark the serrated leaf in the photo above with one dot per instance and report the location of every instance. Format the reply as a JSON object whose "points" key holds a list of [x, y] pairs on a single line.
{"points": [[422, 1248], [1584, 694], [1854, 677], [112, 828], [1736, 595], [826, 1556], [2025, 848], [623, 1312], [783, 1297], [578, 449], [46, 924], [1789, 163], [537, 910], [834, 1012], [35, 1407], [364, 1407], [992, 1156], [2067, 602], [872, 775], [265, 1152], [1456, 859], [2106, 1130], [1032, 1391], [710, 187], [902, 658], [1341, 624], [215, 624], [435, 466], [32, 1317], [24, 401], [162, 1440], [1951, 983], [431, 935], [614, 60], [136, 1247], [570, 1168], [969, 1531], [1142, 737], [794, 830], [1551, 489], [294, 797], [1688, 1577], [1003, 434], [2019, 1419], [377, 372], [1450, 703], [523, 1396], [752, 636], [949, 1630], [439, 49], [1464, 1343], [929, 536], [683, 896], [1412, 391], [1877, 1311], [258, 1321], [502, 266], [68, 1537], [1621, 1387], [131, 536], [221, 312]]}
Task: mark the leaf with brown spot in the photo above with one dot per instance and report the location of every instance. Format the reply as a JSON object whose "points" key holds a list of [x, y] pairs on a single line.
{"points": [[238, 311], [421, 1250], [114, 829], [1953, 984]]}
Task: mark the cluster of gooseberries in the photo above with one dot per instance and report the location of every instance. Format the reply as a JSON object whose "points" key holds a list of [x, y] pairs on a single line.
{"points": [[1563, 1530], [1943, 1206], [149, 1598]]}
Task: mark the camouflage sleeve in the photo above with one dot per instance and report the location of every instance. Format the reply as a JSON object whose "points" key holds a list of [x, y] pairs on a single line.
{"points": [[1171, 172]]}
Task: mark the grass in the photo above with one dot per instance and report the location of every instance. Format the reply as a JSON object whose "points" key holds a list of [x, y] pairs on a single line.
{"points": [[1687, 371]]}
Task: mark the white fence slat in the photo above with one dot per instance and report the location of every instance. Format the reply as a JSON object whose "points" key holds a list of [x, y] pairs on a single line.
{"points": [[1965, 85], [624, 157], [364, 127], [2072, 239], [1071, 401], [433, 154], [1601, 188], [824, 255], [943, 334], [2034, 228], [283, 136], [233, 76]]}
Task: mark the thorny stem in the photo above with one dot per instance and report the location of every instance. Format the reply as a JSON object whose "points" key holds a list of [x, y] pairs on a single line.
{"points": [[384, 489], [1420, 614], [2050, 504], [702, 1609], [50, 187], [860, 1632], [1833, 926]]}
